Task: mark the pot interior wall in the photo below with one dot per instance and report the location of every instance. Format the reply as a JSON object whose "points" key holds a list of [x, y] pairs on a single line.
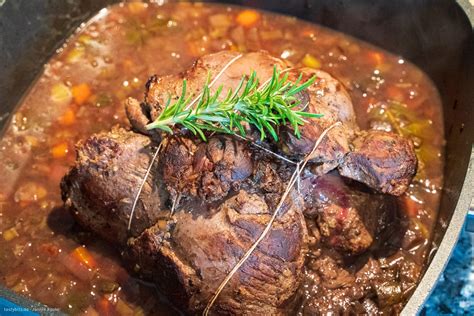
{"points": [[435, 35]]}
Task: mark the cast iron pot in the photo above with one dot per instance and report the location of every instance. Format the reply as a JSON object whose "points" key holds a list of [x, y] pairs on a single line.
{"points": [[436, 35]]}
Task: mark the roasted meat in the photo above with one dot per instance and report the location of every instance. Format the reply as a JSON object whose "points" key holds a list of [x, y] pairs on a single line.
{"points": [[101, 187], [190, 258], [364, 281], [208, 170], [383, 161], [188, 252], [327, 96], [349, 219]]}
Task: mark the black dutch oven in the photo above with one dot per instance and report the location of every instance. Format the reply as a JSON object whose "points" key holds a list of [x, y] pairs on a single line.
{"points": [[435, 35]]}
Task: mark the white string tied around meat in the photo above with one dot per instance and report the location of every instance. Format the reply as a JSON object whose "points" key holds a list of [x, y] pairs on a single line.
{"points": [[265, 149], [233, 60], [140, 188], [294, 178]]}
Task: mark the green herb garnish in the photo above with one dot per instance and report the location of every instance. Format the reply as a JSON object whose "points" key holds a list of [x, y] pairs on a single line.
{"points": [[265, 107]]}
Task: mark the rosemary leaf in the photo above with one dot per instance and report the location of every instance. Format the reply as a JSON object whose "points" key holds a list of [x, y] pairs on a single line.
{"points": [[264, 107]]}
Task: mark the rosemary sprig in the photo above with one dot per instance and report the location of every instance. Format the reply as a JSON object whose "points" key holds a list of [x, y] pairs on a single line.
{"points": [[265, 107]]}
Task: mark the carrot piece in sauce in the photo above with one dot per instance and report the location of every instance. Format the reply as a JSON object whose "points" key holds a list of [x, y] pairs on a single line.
{"points": [[82, 255], [60, 150], [411, 207], [376, 58], [248, 18], [395, 93], [68, 118], [104, 307], [81, 93]]}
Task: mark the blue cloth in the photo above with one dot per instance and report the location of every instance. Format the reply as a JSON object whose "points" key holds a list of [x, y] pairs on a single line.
{"points": [[454, 293]]}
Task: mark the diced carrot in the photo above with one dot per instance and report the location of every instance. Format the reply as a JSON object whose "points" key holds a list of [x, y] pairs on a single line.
{"points": [[104, 307], [411, 207], [81, 93], [395, 93], [85, 256], [60, 150], [248, 18], [76, 267], [376, 58], [308, 33], [82, 255], [311, 61], [68, 118]]}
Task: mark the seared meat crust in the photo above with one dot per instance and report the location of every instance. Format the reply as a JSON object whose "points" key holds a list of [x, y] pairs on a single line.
{"points": [[101, 187], [383, 161], [225, 207], [199, 251], [208, 170], [327, 96]]}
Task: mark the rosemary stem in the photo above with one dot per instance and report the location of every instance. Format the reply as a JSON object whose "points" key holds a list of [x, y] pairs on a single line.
{"points": [[262, 106]]}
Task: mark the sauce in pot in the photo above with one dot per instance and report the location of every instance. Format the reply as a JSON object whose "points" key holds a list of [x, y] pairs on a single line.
{"points": [[82, 91]]}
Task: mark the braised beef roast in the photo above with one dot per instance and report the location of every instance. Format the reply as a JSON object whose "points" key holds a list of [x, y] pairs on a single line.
{"points": [[204, 204], [188, 252]]}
